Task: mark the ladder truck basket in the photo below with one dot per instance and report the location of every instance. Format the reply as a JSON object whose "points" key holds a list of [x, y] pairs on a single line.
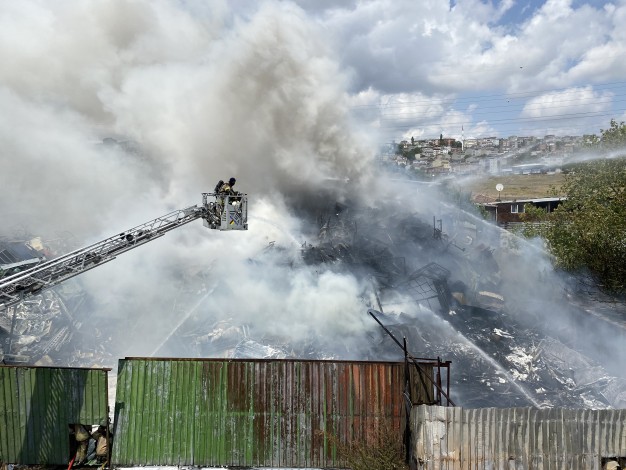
{"points": [[225, 212]]}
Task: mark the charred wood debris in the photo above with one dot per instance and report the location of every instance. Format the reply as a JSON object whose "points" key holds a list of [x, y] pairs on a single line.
{"points": [[501, 356]]}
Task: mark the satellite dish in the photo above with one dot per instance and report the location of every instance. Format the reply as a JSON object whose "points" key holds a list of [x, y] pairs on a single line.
{"points": [[499, 188]]}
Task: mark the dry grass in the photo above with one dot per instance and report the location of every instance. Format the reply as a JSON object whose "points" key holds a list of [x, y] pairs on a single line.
{"points": [[382, 451], [515, 186]]}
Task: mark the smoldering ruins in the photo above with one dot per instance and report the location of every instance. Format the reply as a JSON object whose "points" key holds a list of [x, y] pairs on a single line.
{"points": [[440, 280], [330, 236]]}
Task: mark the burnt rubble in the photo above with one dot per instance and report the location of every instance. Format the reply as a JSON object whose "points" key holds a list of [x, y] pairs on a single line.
{"points": [[502, 355], [50, 329], [438, 281], [47, 328]]}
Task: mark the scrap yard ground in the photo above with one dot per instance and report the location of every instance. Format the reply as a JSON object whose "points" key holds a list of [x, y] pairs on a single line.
{"points": [[483, 189]]}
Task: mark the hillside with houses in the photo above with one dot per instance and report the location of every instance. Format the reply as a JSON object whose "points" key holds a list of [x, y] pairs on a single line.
{"points": [[485, 156]]}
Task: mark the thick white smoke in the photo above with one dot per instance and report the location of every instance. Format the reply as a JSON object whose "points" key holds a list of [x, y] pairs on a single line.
{"points": [[204, 94]]}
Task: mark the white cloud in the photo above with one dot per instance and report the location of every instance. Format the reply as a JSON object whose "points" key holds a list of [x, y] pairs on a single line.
{"points": [[398, 48], [406, 46], [571, 101], [406, 115]]}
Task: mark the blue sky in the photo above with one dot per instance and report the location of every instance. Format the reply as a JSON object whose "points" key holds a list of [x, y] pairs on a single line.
{"points": [[499, 68]]}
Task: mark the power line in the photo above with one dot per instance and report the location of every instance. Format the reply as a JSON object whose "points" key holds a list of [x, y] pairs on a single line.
{"points": [[516, 125], [526, 132], [485, 110], [539, 119], [492, 97], [515, 129], [530, 132], [517, 68]]}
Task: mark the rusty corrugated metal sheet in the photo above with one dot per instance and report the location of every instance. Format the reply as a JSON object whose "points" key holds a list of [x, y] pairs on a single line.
{"points": [[37, 405], [267, 413], [517, 438]]}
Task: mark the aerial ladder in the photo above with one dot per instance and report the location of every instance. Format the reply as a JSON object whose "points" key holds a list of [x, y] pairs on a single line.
{"points": [[217, 211]]}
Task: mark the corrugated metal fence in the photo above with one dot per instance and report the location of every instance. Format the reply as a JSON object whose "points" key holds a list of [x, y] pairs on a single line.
{"points": [[266, 413], [517, 438], [37, 405]]}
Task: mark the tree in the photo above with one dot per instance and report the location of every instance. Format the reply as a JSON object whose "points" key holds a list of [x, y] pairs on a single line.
{"points": [[614, 137], [536, 221], [588, 230], [590, 140]]}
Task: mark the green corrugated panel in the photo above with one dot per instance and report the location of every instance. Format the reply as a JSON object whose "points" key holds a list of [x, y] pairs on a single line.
{"points": [[37, 405], [266, 413]]}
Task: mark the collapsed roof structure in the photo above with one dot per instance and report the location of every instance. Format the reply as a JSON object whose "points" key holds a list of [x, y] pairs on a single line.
{"points": [[439, 284]]}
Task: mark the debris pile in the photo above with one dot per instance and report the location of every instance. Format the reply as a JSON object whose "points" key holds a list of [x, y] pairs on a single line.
{"points": [[440, 284], [501, 355], [46, 325]]}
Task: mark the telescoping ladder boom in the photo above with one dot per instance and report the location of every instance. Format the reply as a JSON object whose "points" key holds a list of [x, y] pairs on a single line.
{"points": [[218, 212]]}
